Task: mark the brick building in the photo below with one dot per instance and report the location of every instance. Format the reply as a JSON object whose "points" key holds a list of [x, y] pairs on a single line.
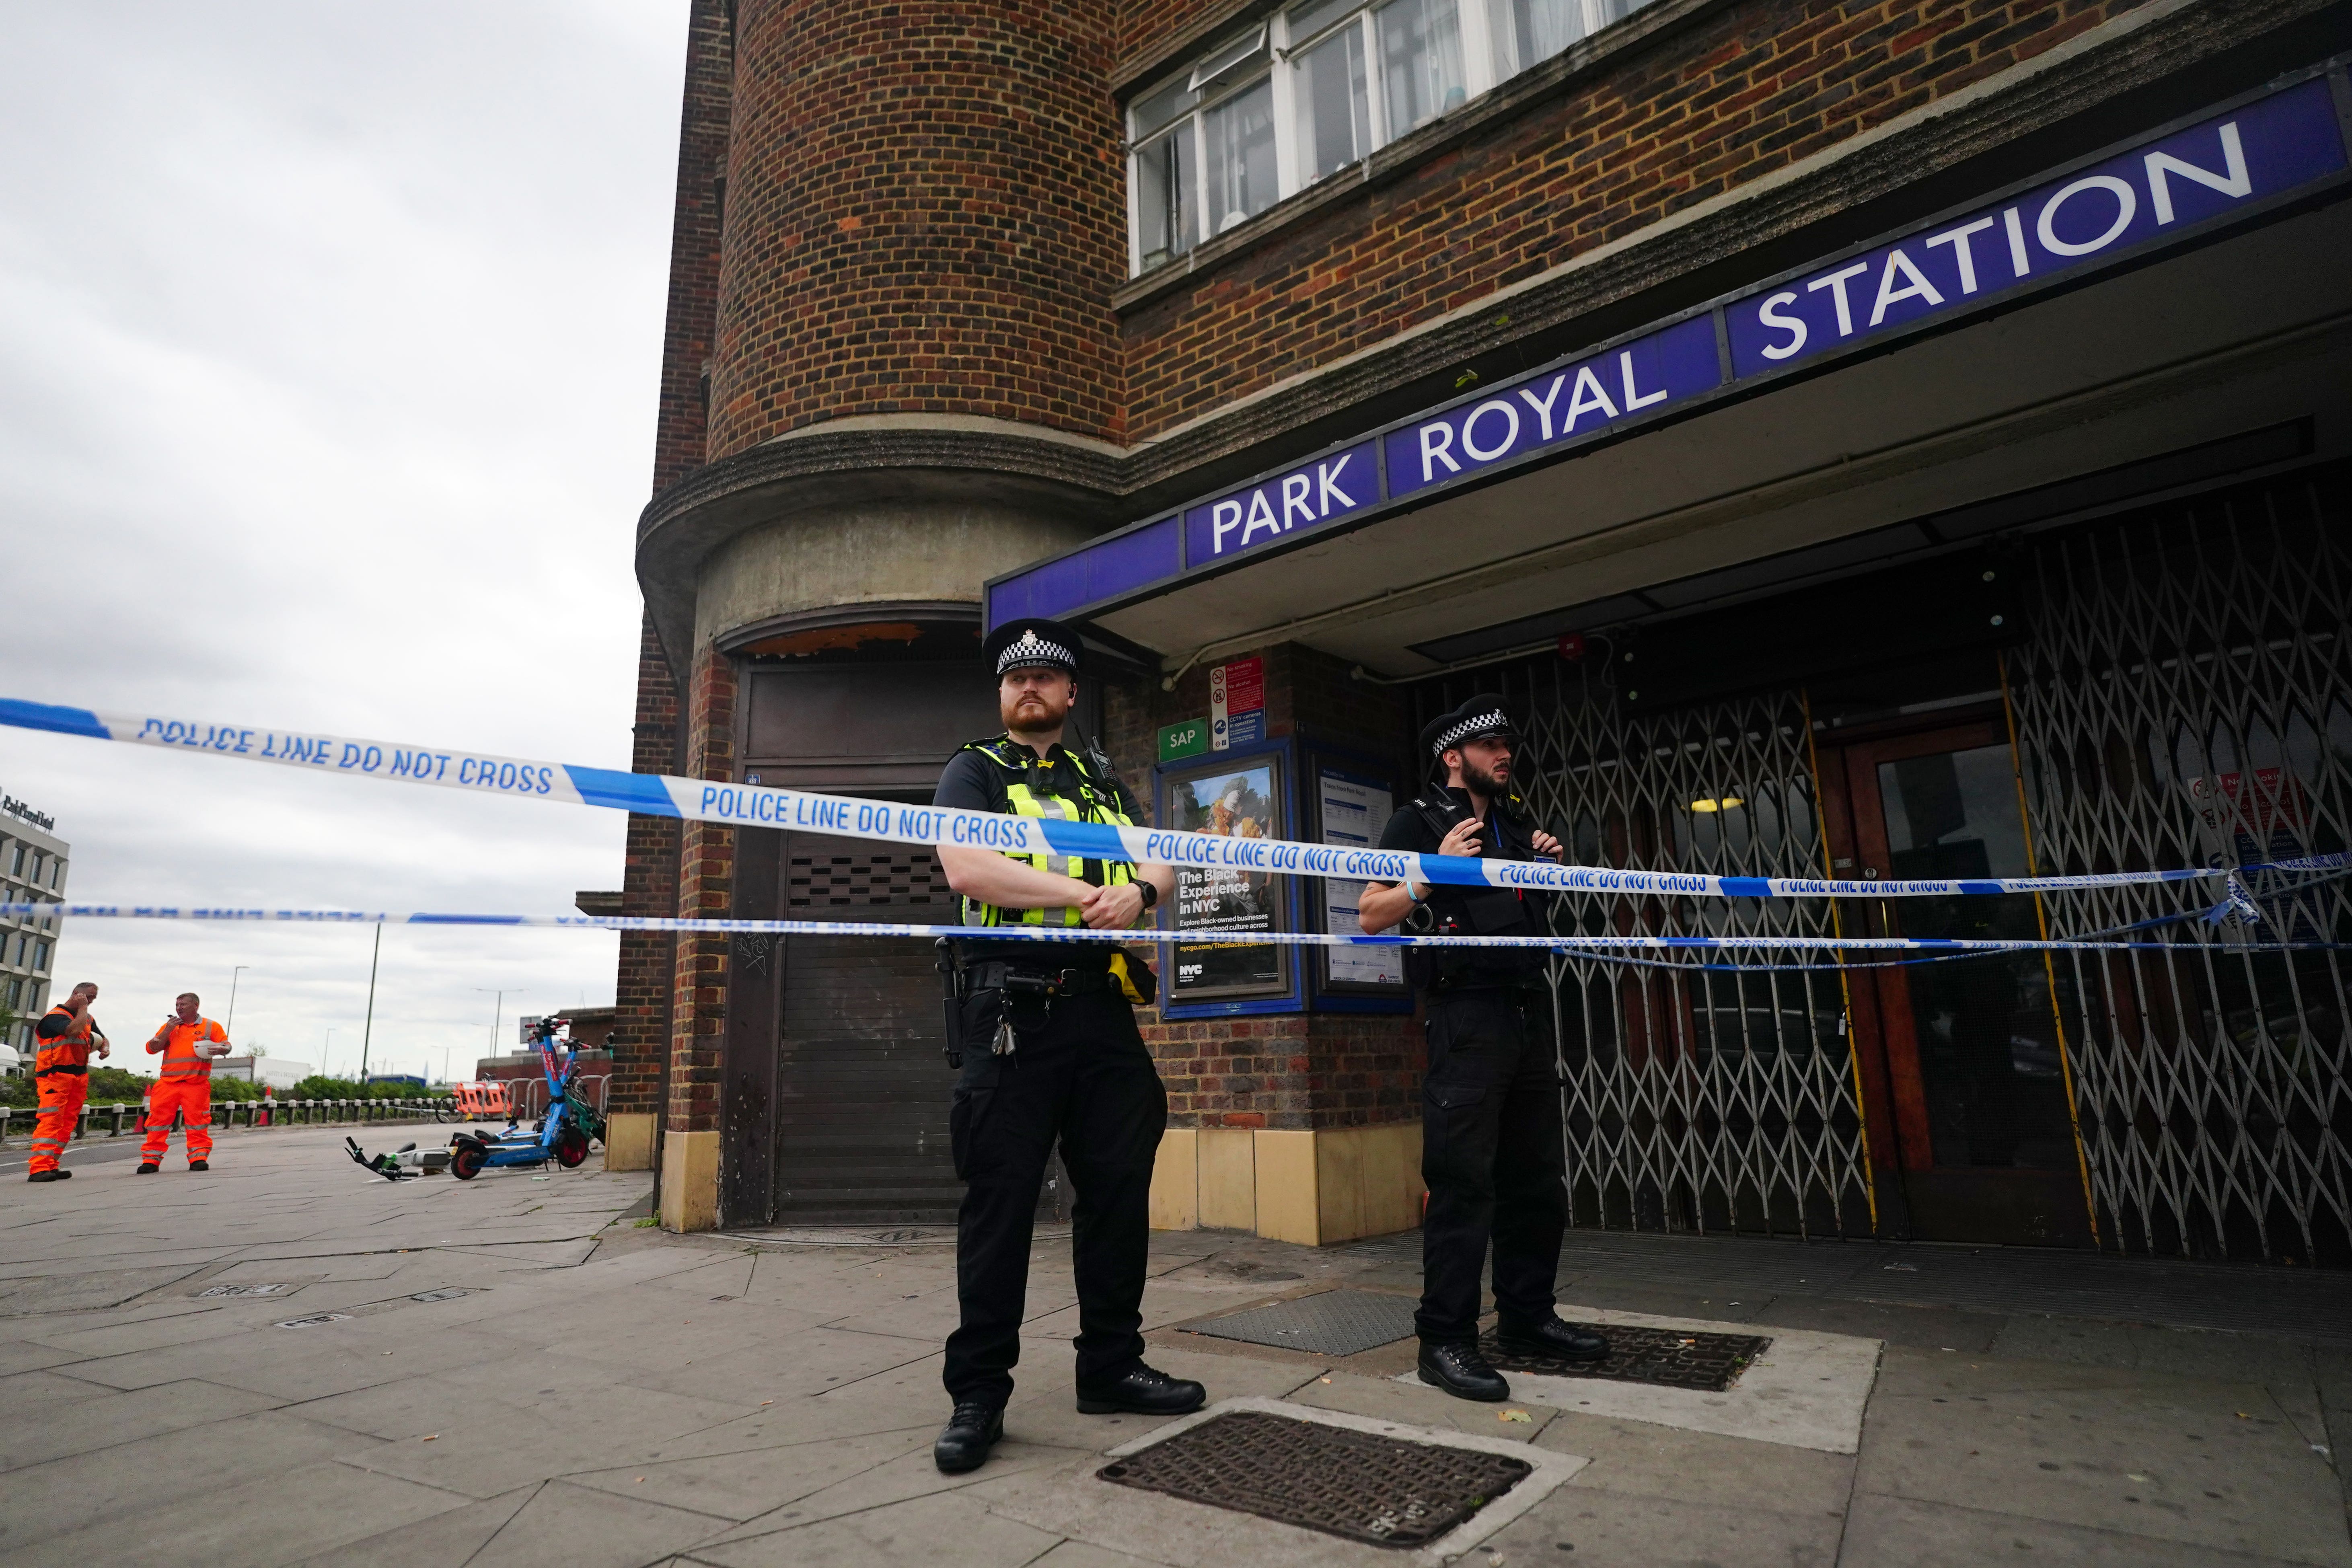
{"points": [[1875, 440]]}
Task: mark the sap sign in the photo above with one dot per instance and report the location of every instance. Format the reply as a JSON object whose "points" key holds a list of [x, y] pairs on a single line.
{"points": [[1557, 406], [1307, 497], [2183, 179]]}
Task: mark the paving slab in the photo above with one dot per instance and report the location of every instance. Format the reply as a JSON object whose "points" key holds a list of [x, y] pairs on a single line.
{"points": [[750, 1482], [245, 1521], [444, 1540], [1596, 1529], [564, 1526], [1903, 1533], [484, 1449], [1807, 1390], [2208, 1465], [99, 1418], [149, 1476], [930, 1529]]}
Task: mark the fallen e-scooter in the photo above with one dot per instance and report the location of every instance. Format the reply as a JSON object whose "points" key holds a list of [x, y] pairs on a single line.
{"points": [[562, 1135]]}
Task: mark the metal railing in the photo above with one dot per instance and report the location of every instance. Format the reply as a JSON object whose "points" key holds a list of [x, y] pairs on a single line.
{"points": [[248, 1112]]}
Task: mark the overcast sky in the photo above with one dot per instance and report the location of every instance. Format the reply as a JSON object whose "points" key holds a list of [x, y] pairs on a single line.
{"points": [[328, 339]]}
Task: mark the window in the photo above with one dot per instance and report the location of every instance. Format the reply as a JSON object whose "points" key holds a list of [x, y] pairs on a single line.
{"points": [[1335, 106], [22, 944], [40, 957], [1283, 104], [16, 994], [56, 874], [1421, 62], [16, 860]]}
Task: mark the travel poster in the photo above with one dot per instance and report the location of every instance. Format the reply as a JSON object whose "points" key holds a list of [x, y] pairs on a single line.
{"points": [[1233, 800]]}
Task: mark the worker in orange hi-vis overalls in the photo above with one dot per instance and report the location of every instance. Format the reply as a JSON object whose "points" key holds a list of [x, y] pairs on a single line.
{"points": [[187, 1043], [62, 1069]]}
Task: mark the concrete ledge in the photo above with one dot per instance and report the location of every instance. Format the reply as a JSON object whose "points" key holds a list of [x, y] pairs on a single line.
{"points": [[629, 1140], [689, 1181], [1313, 1186]]}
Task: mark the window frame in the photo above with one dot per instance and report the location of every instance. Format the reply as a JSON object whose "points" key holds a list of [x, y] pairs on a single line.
{"points": [[1272, 38]]}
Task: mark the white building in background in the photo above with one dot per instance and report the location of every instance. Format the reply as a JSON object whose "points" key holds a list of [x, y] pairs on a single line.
{"points": [[271, 1072], [32, 870]]}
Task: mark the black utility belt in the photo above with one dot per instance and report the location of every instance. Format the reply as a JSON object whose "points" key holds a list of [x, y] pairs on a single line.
{"points": [[70, 1072], [1511, 989], [994, 974]]}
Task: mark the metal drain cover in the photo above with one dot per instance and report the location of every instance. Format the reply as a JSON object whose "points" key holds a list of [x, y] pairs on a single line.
{"points": [[1331, 1322], [1671, 1358], [1359, 1485]]}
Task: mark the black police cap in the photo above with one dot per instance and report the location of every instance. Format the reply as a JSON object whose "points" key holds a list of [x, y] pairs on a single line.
{"points": [[1479, 716], [1030, 642]]}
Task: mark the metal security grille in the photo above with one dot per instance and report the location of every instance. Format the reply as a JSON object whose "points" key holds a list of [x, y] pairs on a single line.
{"points": [[898, 876], [1696, 1100], [2184, 698]]}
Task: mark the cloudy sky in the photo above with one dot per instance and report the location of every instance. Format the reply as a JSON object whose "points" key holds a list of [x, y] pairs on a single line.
{"points": [[329, 338]]}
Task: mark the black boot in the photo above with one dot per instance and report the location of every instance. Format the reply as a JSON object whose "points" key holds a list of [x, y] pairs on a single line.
{"points": [[1551, 1340], [964, 1442], [149, 1169], [1463, 1373], [44, 1175], [199, 1165], [1142, 1392]]}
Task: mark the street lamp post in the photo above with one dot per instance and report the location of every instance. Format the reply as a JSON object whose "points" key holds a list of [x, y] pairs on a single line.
{"points": [[230, 1027], [327, 1055], [368, 1031], [497, 1010]]}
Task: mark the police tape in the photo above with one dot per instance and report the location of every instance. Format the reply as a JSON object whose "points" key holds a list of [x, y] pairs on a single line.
{"points": [[757, 805], [1592, 945]]}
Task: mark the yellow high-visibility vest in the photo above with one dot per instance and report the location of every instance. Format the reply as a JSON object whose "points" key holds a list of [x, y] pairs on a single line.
{"points": [[1036, 787]]}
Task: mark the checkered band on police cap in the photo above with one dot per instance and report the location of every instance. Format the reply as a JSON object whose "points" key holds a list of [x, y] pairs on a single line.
{"points": [[1489, 721], [1029, 649]]}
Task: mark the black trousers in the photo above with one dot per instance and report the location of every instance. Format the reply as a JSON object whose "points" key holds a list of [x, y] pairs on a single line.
{"points": [[1086, 1080], [1494, 1157]]}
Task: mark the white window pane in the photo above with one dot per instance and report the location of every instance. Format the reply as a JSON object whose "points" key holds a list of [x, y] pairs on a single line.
{"points": [[1529, 32], [1167, 215], [1421, 61], [1149, 114], [1310, 19], [1229, 56], [1240, 175], [1335, 111]]}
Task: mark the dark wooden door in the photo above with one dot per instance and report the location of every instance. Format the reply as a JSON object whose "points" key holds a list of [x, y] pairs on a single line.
{"points": [[1968, 1050]]}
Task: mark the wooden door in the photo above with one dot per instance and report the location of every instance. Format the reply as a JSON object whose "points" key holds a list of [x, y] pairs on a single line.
{"points": [[1967, 1049]]}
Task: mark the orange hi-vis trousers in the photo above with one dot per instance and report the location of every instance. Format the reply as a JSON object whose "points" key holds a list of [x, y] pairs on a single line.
{"points": [[192, 1097], [61, 1094]]}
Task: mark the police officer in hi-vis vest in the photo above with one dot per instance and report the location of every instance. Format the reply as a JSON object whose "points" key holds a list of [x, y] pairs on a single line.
{"points": [[1049, 1052], [1493, 1151]]}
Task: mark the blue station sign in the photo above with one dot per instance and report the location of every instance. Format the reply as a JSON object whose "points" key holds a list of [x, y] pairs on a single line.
{"points": [[2181, 181]]}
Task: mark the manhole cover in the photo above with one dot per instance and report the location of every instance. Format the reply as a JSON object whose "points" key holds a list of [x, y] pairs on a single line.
{"points": [[449, 1293], [1671, 1358], [1332, 1322], [315, 1319], [1383, 1490], [247, 1291]]}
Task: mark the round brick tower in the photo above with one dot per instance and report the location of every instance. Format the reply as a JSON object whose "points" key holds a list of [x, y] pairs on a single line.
{"points": [[923, 218], [893, 353]]}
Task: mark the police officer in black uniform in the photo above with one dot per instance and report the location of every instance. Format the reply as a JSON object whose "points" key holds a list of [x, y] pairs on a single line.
{"points": [[1493, 1150], [1050, 1052]]}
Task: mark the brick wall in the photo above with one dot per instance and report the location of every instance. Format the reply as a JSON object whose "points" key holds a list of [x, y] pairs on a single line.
{"points": [[706, 890], [926, 214], [1704, 107], [1285, 1071], [647, 972]]}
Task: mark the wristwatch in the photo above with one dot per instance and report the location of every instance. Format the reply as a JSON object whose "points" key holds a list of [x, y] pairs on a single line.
{"points": [[1150, 893]]}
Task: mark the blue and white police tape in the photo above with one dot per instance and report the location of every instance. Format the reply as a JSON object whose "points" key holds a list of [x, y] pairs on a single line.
{"points": [[1593, 945], [755, 806]]}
